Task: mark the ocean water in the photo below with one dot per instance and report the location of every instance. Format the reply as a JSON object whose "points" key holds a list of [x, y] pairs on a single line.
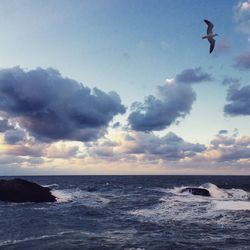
{"points": [[131, 213]]}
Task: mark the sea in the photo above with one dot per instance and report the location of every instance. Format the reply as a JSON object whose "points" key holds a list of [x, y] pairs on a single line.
{"points": [[130, 213]]}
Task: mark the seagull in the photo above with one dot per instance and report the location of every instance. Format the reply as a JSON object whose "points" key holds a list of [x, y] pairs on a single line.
{"points": [[210, 35]]}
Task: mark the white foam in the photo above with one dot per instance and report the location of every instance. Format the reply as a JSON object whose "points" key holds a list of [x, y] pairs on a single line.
{"points": [[135, 248], [91, 199], [12, 242], [53, 185], [215, 192], [178, 206], [228, 194], [62, 196], [231, 205]]}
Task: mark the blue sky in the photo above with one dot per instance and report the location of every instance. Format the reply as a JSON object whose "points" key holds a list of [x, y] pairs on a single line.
{"points": [[130, 47]]}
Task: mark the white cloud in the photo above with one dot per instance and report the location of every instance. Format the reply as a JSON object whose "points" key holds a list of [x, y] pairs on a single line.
{"points": [[245, 6], [242, 16], [170, 81]]}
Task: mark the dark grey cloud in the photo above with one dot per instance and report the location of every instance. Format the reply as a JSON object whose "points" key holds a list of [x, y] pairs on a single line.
{"points": [[116, 125], [53, 108], [231, 148], [235, 154], [239, 101], [223, 131], [27, 150], [174, 101], [173, 147], [170, 146], [14, 136], [224, 148], [222, 140], [230, 80], [5, 125], [243, 61], [191, 76]]}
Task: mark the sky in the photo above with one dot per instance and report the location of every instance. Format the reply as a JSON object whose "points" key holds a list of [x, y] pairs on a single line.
{"points": [[124, 87]]}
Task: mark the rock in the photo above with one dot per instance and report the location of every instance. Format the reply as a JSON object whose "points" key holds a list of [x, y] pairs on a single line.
{"points": [[19, 190], [196, 191]]}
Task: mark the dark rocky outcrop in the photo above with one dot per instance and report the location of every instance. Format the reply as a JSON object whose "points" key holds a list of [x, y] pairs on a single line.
{"points": [[19, 190], [196, 191]]}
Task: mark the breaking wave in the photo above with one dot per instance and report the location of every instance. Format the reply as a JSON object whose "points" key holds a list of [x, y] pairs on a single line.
{"points": [[227, 194], [178, 206], [91, 199]]}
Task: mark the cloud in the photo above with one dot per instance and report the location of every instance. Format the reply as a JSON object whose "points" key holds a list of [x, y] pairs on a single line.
{"points": [[223, 131], [222, 140], [243, 61], [61, 150], [230, 80], [36, 150], [14, 136], [5, 125], [174, 100], [8, 159], [193, 76], [239, 101], [146, 146], [116, 125], [35, 161], [242, 16], [170, 146], [52, 108], [245, 6], [229, 148]]}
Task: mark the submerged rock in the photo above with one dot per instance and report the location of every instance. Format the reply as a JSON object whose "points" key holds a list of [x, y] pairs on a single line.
{"points": [[19, 190], [196, 191]]}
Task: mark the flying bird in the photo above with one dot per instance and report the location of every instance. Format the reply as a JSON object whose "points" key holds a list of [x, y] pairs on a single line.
{"points": [[210, 35]]}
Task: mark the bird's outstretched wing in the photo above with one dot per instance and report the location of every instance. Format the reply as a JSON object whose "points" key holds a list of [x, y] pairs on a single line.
{"points": [[212, 43], [209, 26]]}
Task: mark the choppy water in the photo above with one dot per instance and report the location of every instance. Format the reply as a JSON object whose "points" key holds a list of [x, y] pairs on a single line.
{"points": [[131, 212]]}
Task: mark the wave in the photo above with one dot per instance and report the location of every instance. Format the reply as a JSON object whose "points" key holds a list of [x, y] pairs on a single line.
{"points": [[134, 248], [215, 192], [177, 206], [91, 199], [52, 186], [228, 194], [13, 242]]}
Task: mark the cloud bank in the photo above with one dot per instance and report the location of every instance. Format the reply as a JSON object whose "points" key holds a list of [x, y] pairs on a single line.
{"points": [[147, 146]]}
